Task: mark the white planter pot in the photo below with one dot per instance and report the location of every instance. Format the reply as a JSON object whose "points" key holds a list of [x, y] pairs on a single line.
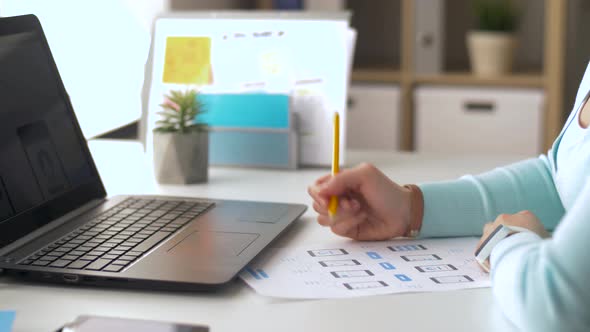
{"points": [[491, 53], [181, 158]]}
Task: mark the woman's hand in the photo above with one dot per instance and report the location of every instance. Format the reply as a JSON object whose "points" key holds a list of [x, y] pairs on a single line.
{"points": [[370, 207], [524, 219]]}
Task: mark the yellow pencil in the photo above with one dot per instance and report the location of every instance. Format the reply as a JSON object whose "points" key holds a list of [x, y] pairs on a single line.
{"points": [[335, 163]]}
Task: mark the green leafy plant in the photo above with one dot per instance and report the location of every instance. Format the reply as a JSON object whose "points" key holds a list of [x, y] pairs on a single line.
{"points": [[180, 111], [496, 15]]}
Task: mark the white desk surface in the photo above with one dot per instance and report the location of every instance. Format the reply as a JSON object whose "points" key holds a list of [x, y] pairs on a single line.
{"points": [[125, 170]]}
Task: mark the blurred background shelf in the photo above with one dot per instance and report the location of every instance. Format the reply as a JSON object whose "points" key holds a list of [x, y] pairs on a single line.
{"points": [[389, 59], [388, 32], [386, 57]]}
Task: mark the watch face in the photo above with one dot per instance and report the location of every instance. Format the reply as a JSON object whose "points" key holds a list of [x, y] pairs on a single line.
{"points": [[499, 230]]}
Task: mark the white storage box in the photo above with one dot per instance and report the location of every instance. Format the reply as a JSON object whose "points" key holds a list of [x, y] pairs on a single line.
{"points": [[464, 120], [373, 121]]}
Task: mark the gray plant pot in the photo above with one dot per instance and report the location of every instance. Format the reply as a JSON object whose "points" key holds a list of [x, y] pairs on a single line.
{"points": [[181, 158]]}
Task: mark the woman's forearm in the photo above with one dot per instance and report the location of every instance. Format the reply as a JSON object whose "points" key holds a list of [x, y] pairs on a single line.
{"points": [[461, 207]]}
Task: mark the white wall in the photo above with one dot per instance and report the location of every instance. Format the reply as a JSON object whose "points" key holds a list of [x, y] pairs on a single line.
{"points": [[100, 48]]}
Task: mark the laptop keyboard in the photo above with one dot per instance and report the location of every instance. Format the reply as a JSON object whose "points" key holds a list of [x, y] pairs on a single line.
{"points": [[119, 236]]}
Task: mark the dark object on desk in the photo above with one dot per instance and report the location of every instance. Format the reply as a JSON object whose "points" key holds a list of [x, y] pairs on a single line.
{"points": [[288, 4], [101, 324], [128, 132], [59, 226]]}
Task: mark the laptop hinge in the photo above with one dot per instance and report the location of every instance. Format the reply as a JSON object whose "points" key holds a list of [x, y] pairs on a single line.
{"points": [[5, 252]]}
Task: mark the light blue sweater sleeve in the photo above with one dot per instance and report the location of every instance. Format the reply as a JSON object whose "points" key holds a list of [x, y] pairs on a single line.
{"points": [[461, 207], [542, 285]]}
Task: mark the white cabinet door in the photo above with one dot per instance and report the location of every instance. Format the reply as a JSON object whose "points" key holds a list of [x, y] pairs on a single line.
{"points": [[373, 117], [478, 120]]}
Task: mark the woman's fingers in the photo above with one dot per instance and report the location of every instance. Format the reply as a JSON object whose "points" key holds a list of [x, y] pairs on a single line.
{"points": [[344, 228], [347, 206], [345, 215], [324, 220], [317, 190], [323, 179], [489, 227], [343, 181], [313, 191], [345, 203], [349, 227], [343, 206], [348, 215], [321, 210]]}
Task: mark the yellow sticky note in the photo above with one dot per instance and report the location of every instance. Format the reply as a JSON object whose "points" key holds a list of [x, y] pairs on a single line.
{"points": [[188, 60]]}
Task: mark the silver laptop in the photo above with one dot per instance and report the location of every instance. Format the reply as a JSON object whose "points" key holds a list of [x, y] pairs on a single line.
{"points": [[56, 223]]}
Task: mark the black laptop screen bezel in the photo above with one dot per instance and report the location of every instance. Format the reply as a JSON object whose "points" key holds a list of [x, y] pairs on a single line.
{"points": [[32, 219]]}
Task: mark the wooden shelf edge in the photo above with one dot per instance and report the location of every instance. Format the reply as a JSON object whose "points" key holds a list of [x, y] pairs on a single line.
{"points": [[512, 80], [395, 76], [376, 75]]}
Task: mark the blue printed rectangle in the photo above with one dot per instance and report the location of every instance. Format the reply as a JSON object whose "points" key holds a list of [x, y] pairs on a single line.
{"points": [[407, 247], [250, 148], [253, 273], [6, 320], [373, 255], [262, 273], [387, 266], [403, 277], [246, 110]]}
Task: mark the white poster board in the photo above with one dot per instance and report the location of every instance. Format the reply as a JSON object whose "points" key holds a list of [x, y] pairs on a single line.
{"points": [[304, 54]]}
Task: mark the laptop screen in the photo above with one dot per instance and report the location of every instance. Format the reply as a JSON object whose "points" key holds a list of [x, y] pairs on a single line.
{"points": [[45, 167]]}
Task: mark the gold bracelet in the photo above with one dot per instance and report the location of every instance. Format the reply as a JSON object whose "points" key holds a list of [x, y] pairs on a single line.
{"points": [[416, 210]]}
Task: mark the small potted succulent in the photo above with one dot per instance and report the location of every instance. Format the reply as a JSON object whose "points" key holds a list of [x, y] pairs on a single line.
{"points": [[491, 45], [181, 141]]}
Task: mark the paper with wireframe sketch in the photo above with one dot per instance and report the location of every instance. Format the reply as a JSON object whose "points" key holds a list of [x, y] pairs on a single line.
{"points": [[341, 269]]}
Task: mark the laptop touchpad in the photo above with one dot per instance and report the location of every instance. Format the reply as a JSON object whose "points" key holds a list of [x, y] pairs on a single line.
{"points": [[213, 244]]}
